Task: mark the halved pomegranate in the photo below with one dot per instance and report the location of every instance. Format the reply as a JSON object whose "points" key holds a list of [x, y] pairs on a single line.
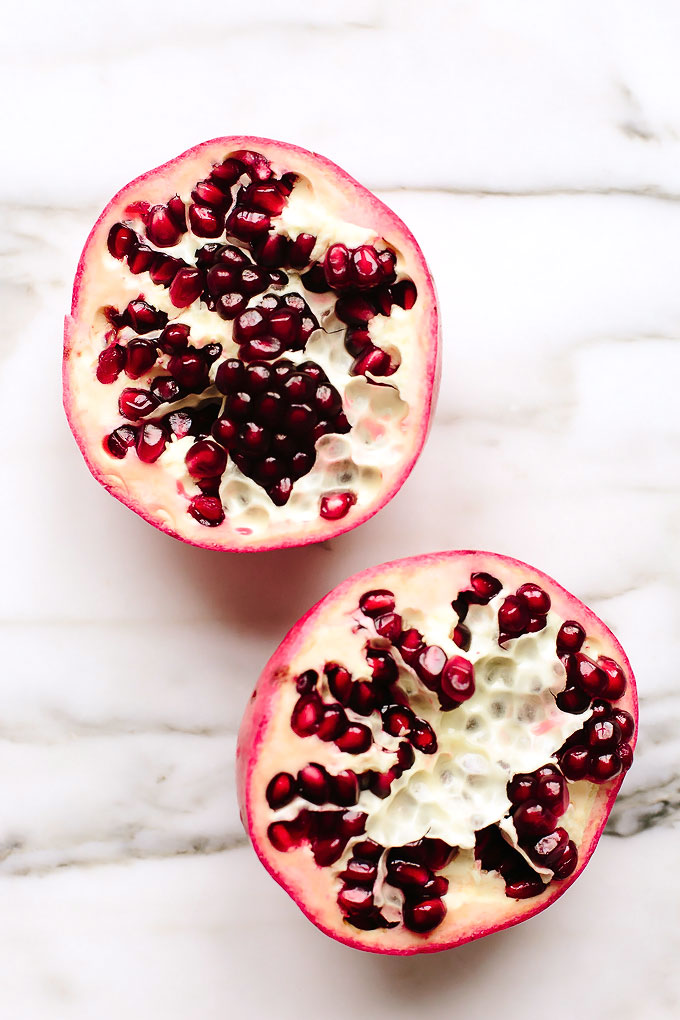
{"points": [[432, 752], [251, 360]]}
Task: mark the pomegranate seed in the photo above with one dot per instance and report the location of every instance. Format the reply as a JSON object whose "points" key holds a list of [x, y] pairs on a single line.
{"points": [[280, 492], [363, 698], [625, 756], [281, 790], [328, 851], [227, 173], [549, 849], [247, 224], [141, 259], [436, 853], [161, 229], [177, 212], [397, 720], [565, 864], [367, 270], [281, 836], [368, 850], [355, 898], [532, 819], [404, 294], [486, 586], [335, 505], [189, 369], [301, 250], [375, 361], [604, 767], [375, 603], [388, 261], [136, 404], [616, 679], [143, 317], [411, 645], [206, 221], [352, 823], [339, 682], [225, 432], [344, 787], [513, 615], [575, 762], [587, 675], [625, 722], [312, 783], [535, 624], [338, 266], [383, 666], [266, 198], [222, 279], [462, 637], [388, 625], [551, 792], [164, 269], [151, 442], [121, 240], [603, 735], [425, 916], [334, 722], [458, 679], [120, 441], [307, 715], [423, 737], [537, 600], [205, 459], [570, 637], [111, 363], [230, 305], [523, 888], [357, 341], [141, 356], [429, 665], [356, 739], [521, 788], [209, 193], [255, 164], [360, 872], [186, 287], [406, 874], [174, 338], [573, 700], [180, 423], [307, 681], [207, 510]]}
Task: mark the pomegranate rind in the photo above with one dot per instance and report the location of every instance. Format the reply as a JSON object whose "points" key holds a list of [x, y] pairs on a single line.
{"points": [[150, 495], [256, 752]]}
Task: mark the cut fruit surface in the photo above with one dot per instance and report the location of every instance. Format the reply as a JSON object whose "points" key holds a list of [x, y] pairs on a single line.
{"points": [[413, 790], [251, 295]]}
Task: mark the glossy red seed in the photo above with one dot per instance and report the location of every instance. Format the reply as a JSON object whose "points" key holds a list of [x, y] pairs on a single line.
{"points": [[333, 723], [312, 783], [174, 338], [355, 898], [136, 404], [121, 240], [625, 756], [423, 737], [524, 888], [111, 362], [377, 602], [604, 767], [344, 786], [336, 505], [301, 250], [429, 665], [186, 287], [141, 356], [565, 864], [247, 224], [407, 874], [424, 916], [603, 735], [388, 625], [513, 615], [307, 715], [205, 459], [588, 676], [616, 678], [521, 788], [575, 762], [337, 266], [537, 599], [120, 441], [143, 317], [552, 793], [189, 369], [570, 637], [397, 720], [458, 679], [404, 294], [151, 442], [207, 510], [280, 790], [625, 722], [360, 872], [339, 682], [356, 739], [210, 193], [206, 221], [226, 432], [161, 228], [532, 819]]}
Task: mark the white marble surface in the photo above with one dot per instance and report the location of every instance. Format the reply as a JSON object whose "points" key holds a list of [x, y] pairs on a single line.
{"points": [[534, 149]]}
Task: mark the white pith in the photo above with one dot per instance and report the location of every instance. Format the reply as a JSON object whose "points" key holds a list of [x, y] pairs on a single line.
{"points": [[386, 414], [476, 900]]}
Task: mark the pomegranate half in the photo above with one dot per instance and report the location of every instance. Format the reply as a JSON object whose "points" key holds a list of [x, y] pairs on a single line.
{"points": [[432, 752], [251, 359]]}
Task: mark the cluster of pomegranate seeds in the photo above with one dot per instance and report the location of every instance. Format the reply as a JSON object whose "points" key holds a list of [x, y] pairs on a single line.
{"points": [[525, 612], [600, 750], [274, 325], [586, 679], [272, 417], [538, 799]]}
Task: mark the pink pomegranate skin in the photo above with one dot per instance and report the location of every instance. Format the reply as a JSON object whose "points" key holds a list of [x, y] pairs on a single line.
{"points": [[265, 720], [160, 500]]}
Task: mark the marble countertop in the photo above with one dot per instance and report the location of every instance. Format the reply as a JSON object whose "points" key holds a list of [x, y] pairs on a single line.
{"points": [[534, 150]]}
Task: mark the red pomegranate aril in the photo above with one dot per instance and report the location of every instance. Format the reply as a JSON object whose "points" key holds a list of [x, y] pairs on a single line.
{"points": [[205, 221], [603, 735], [425, 916], [411, 645], [388, 625], [206, 459], [524, 888], [360, 872], [254, 439], [588, 675], [570, 637], [121, 240], [225, 432], [301, 464], [174, 338], [404, 294], [267, 198], [375, 361], [355, 898], [383, 666], [423, 737], [280, 790], [625, 722], [301, 250], [521, 788], [328, 851], [604, 767], [312, 783], [177, 212], [573, 700], [549, 849], [352, 823], [334, 722], [253, 281], [616, 680], [375, 603], [344, 786], [356, 739], [141, 356], [357, 341], [282, 837], [161, 228], [189, 369], [209, 193], [136, 404], [513, 615], [120, 440], [227, 173], [397, 720], [151, 442], [552, 793], [565, 864], [223, 279], [207, 510], [262, 347], [143, 317], [435, 853], [575, 762], [537, 599], [180, 422], [407, 874], [269, 408], [363, 698], [307, 715], [255, 164], [336, 505], [281, 491], [230, 305], [141, 259], [164, 269], [271, 250], [339, 681], [338, 266], [387, 261], [625, 756], [355, 309], [307, 681], [111, 363], [247, 224], [429, 665], [532, 819], [458, 679], [367, 270], [186, 287], [269, 470]]}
